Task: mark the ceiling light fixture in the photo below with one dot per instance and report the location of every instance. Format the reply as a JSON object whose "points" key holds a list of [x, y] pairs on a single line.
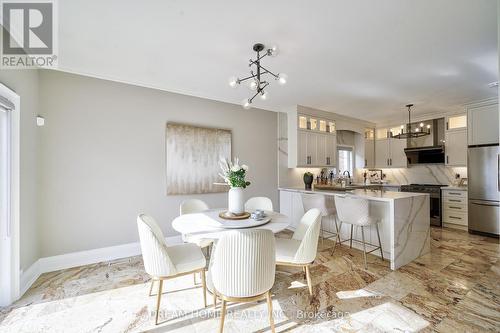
{"points": [[256, 81], [409, 133], [493, 84]]}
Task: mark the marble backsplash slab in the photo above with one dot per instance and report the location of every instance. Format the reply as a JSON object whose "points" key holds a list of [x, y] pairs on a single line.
{"points": [[421, 174]]}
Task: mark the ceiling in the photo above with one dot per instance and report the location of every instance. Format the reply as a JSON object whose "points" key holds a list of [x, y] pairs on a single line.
{"points": [[362, 58]]}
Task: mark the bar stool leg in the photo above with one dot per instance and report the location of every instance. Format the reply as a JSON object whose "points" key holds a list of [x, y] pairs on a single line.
{"points": [[364, 245], [379, 243], [350, 242], [336, 228], [335, 245], [322, 232]]}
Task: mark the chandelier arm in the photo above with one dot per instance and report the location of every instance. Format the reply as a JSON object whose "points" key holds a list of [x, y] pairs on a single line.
{"points": [[254, 62], [251, 99], [246, 78], [268, 71]]}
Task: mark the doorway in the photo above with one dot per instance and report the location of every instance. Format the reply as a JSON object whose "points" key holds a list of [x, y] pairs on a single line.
{"points": [[9, 196]]}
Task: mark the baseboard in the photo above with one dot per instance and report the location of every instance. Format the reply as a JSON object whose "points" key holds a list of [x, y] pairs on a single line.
{"points": [[29, 276], [80, 258]]}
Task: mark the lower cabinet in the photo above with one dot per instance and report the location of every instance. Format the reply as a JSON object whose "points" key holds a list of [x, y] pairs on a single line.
{"points": [[454, 208], [291, 206]]}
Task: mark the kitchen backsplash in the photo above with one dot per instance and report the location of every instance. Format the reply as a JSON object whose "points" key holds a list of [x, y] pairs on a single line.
{"points": [[421, 174]]}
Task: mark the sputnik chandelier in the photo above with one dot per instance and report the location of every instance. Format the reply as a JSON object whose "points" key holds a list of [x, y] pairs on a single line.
{"points": [[256, 81], [411, 133]]}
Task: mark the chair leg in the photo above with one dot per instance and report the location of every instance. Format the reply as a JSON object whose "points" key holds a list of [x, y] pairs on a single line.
{"points": [[350, 242], [322, 232], [270, 310], [158, 299], [222, 316], [151, 288], [337, 228], [194, 278], [204, 285], [364, 245], [215, 298], [338, 235], [308, 277], [379, 243]]}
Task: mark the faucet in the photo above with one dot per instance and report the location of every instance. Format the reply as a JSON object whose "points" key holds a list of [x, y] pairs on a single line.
{"points": [[348, 176]]}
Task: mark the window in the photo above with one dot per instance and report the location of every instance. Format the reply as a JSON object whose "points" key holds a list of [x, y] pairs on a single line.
{"points": [[345, 160]]}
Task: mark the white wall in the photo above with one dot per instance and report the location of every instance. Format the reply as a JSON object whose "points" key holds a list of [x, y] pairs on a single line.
{"points": [[25, 84], [102, 157]]}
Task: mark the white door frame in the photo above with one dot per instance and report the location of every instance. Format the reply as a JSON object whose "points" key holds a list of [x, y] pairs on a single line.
{"points": [[9, 233]]}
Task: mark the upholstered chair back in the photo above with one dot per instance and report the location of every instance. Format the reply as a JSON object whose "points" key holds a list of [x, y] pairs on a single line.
{"points": [[354, 211], [244, 263], [193, 206], [307, 232], [154, 249], [255, 203], [310, 201]]}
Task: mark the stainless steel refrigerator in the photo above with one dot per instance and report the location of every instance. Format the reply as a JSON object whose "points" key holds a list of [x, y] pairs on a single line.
{"points": [[483, 175]]}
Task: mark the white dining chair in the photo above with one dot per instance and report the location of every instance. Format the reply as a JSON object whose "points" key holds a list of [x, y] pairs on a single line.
{"points": [[356, 212], [192, 206], [162, 262], [328, 214], [301, 249], [242, 269], [255, 203]]}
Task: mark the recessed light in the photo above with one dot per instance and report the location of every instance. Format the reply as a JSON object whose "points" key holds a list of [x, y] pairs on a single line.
{"points": [[493, 84]]}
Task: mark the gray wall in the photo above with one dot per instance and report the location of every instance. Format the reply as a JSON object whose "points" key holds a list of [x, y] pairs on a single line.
{"points": [[102, 158], [25, 84]]}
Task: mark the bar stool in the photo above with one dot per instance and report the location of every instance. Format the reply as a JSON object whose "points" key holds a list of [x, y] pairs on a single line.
{"points": [[310, 201], [355, 211]]}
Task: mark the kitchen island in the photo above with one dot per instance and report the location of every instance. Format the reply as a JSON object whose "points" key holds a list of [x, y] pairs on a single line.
{"points": [[404, 220]]}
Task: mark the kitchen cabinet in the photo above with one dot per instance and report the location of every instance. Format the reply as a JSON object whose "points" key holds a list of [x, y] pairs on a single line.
{"points": [[482, 123], [456, 122], [389, 153], [314, 142], [397, 156], [454, 203], [455, 145], [382, 153], [331, 150], [369, 148], [316, 149], [291, 206]]}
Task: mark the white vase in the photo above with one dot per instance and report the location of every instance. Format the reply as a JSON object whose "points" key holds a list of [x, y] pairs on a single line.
{"points": [[235, 200]]}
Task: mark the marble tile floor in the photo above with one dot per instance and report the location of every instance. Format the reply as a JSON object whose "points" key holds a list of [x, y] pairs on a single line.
{"points": [[455, 288]]}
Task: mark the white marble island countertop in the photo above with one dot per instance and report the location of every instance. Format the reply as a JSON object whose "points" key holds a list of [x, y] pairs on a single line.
{"points": [[404, 219], [376, 195]]}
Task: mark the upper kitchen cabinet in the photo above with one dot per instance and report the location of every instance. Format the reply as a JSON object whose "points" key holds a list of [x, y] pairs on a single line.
{"points": [[315, 142], [482, 123], [456, 122], [389, 152], [456, 140], [369, 148]]}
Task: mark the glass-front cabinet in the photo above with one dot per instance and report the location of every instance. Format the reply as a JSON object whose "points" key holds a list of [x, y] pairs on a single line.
{"points": [[316, 141], [456, 122]]}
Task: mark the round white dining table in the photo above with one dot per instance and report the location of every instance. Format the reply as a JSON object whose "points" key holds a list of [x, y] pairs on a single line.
{"points": [[208, 224]]}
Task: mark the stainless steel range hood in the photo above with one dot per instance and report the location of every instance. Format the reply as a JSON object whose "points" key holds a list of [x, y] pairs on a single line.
{"points": [[427, 149]]}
